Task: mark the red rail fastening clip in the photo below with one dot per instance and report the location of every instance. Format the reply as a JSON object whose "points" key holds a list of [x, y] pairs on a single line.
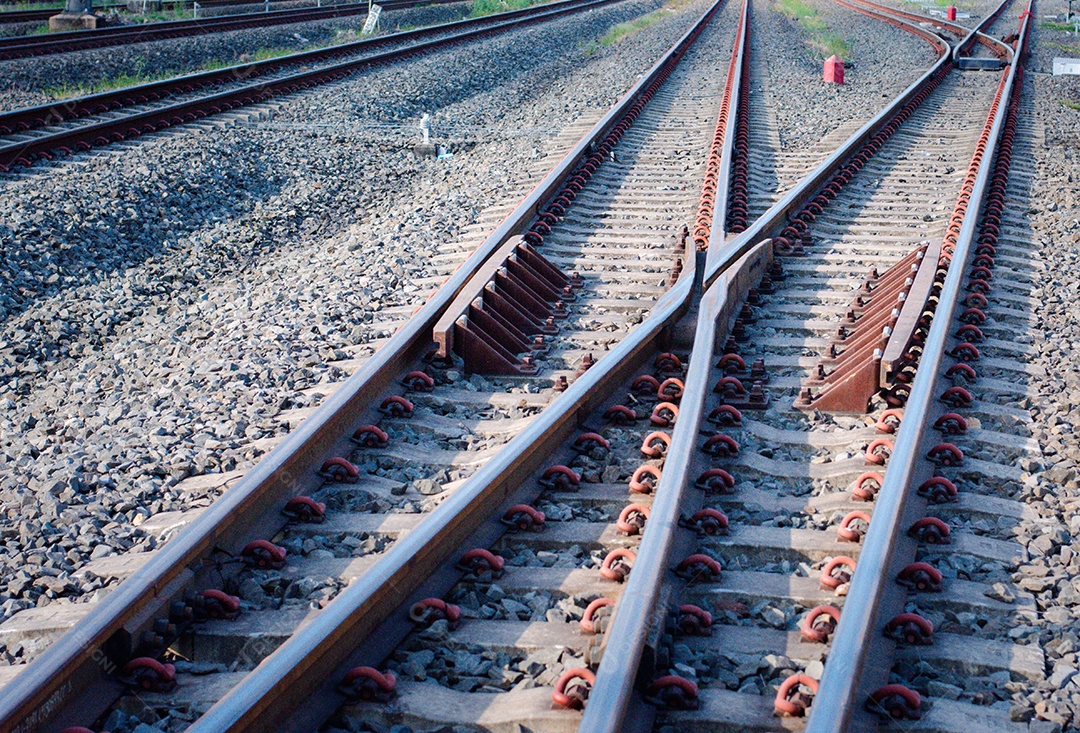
{"points": [[951, 424], [396, 407], [668, 364], [264, 554], [847, 532], [646, 384], [939, 490], [693, 621], [368, 683], [632, 519], [946, 454], [878, 452], [726, 415], [645, 479], [418, 382], [721, 446], [664, 415], [795, 695], [480, 560], [889, 421], [930, 530], [595, 618], [957, 397], [149, 674], [371, 436], [867, 485], [819, 624], [524, 517], [620, 415], [716, 481], [674, 692], [895, 702], [572, 688], [340, 470], [920, 576], [305, 509], [217, 604], [588, 442], [837, 573], [618, 564], [731, 364], [911, 628], [655, 445], [428, 611], [560, 478], [708, 522], [671, 389], [730, 387], [698, 567]]}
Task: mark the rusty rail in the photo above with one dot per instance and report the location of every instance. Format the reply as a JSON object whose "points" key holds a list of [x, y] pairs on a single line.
{"points": [[613, 705], [849, 676], [67, 682], [612, 696], [325, 649]]}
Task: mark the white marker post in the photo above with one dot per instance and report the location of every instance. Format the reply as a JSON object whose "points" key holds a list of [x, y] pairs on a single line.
{"points": [[195, 8], [372, 21]]}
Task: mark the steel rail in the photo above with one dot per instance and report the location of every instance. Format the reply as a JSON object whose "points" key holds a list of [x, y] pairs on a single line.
{"points": [[85, 137], [612, 694], [951, 26], [29, 118], [62, 676], [637, 613], [723, 255], [16, 47], [29, 16], [321, 650], [859, 626], [720, 208]]}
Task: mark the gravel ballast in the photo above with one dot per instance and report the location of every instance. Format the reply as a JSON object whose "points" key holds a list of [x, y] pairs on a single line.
{"points": [[166, 301]]}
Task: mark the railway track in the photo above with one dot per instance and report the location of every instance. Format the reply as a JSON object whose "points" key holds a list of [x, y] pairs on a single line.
{"points": [[32, 16], [457, 586], [799, 492], [83, 123], [619, 284], [17, 47]]}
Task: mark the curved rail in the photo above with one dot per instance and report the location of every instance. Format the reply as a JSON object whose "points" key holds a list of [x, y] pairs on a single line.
{"points": [[612, 693], [844, 680], [85, 137], [324, 645], [23, 46], [723, 255], [72, 672], [611, 706]]}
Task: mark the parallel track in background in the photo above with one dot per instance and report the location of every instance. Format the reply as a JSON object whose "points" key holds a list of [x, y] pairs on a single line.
{"points": [[18, 47], [96, 120]]}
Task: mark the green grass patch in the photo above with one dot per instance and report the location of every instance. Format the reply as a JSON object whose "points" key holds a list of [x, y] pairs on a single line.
{"points": [[822, 40], [29, 6], [622, 31], [1052, 26], [1071, 104], [176, 12], [480, 8], [142, 75]]}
